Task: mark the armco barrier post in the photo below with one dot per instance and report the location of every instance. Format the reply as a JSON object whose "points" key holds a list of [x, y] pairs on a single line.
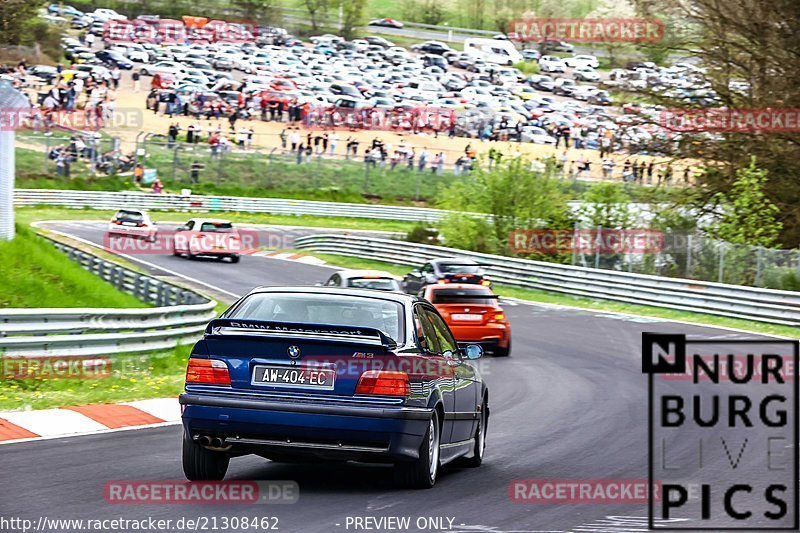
{"points": [[12, 106]]}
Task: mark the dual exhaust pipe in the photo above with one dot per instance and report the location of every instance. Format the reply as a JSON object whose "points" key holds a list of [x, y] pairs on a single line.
{"points": [[211, 442]]}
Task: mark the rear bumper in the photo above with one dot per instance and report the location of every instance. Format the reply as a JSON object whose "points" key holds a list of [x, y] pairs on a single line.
{"points": [[329, 430], [488, 336]]}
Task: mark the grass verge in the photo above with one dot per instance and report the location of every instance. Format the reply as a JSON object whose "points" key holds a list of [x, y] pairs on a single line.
{"points": [[131, 377], [26, 215], [35, 274], [585, 303]]}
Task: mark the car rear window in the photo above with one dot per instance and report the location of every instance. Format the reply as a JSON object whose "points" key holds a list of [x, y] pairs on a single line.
{"points": [[456, 268], [216, 227], [464, 296], [129, 216], [328, 309], [380, 284]]}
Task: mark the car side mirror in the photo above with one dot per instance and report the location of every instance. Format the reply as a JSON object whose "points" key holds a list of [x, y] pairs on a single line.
{"points": [[473, 351]]}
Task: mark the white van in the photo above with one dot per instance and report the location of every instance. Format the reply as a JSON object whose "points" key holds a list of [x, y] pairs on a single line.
{"points": [[493, 51]]}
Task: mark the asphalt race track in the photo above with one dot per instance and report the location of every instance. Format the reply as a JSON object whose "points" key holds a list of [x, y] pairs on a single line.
{"points": [[570, 403]]}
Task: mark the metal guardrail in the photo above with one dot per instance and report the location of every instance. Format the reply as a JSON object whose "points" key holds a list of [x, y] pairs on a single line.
{"points": [[180, 315], [175, 202], [734, 301]]}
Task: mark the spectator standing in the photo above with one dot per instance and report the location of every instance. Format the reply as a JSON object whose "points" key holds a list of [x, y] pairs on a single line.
{"points": [[423, 160], [294, 139], [195, 171], [332, 140], [608, 168], [115, 75], [136, 76]]}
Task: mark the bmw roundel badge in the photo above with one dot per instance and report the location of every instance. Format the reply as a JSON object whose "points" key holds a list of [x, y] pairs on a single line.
{"points": [[293, 351]]}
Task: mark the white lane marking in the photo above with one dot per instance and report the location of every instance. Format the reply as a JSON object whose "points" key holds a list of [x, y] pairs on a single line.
{"points": [[167, 409], [146, 263], [637, 318], [89, 433], [53, 422]]}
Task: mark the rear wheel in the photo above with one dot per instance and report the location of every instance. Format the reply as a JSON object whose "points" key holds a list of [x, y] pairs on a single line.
{"points": [[503, 352], [480, 441], [200, 464], [422, 472], [234, 259]]}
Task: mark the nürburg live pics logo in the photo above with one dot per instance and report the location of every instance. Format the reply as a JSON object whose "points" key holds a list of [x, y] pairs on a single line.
{"points": [[722, 433]]}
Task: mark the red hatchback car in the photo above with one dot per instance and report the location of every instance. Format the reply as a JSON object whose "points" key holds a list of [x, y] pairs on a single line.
{"points": [[473, 314]]}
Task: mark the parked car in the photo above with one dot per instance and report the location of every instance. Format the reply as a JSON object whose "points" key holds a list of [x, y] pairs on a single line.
{"points": [[531, 55], [114, 59], [584, 60], [432, 47], [585, 74], [556, 46], [551, 64], [541, 82]]}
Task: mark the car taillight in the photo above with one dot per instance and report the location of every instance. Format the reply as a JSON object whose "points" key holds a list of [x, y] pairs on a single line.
{"points": [[383, 383], [116, 222], [441, 281], [139, 225], [207, 372], [498, 317], [486, 282]]}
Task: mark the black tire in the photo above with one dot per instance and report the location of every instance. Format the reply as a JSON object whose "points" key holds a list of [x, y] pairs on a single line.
{"points": [[502, 352], [200, 464], [422, 472], [480, 441], [234, 259]]}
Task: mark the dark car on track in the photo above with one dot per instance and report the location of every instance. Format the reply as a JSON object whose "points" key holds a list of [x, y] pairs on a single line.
{"points": [[451, 270], [292, 373]]}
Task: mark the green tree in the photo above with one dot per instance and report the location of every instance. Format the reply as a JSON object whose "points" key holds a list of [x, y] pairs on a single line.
{"points": [[352, 16], [515, 196], [748, 216], [607, 205], [317, 10], [259, 11], [15, 16]]}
